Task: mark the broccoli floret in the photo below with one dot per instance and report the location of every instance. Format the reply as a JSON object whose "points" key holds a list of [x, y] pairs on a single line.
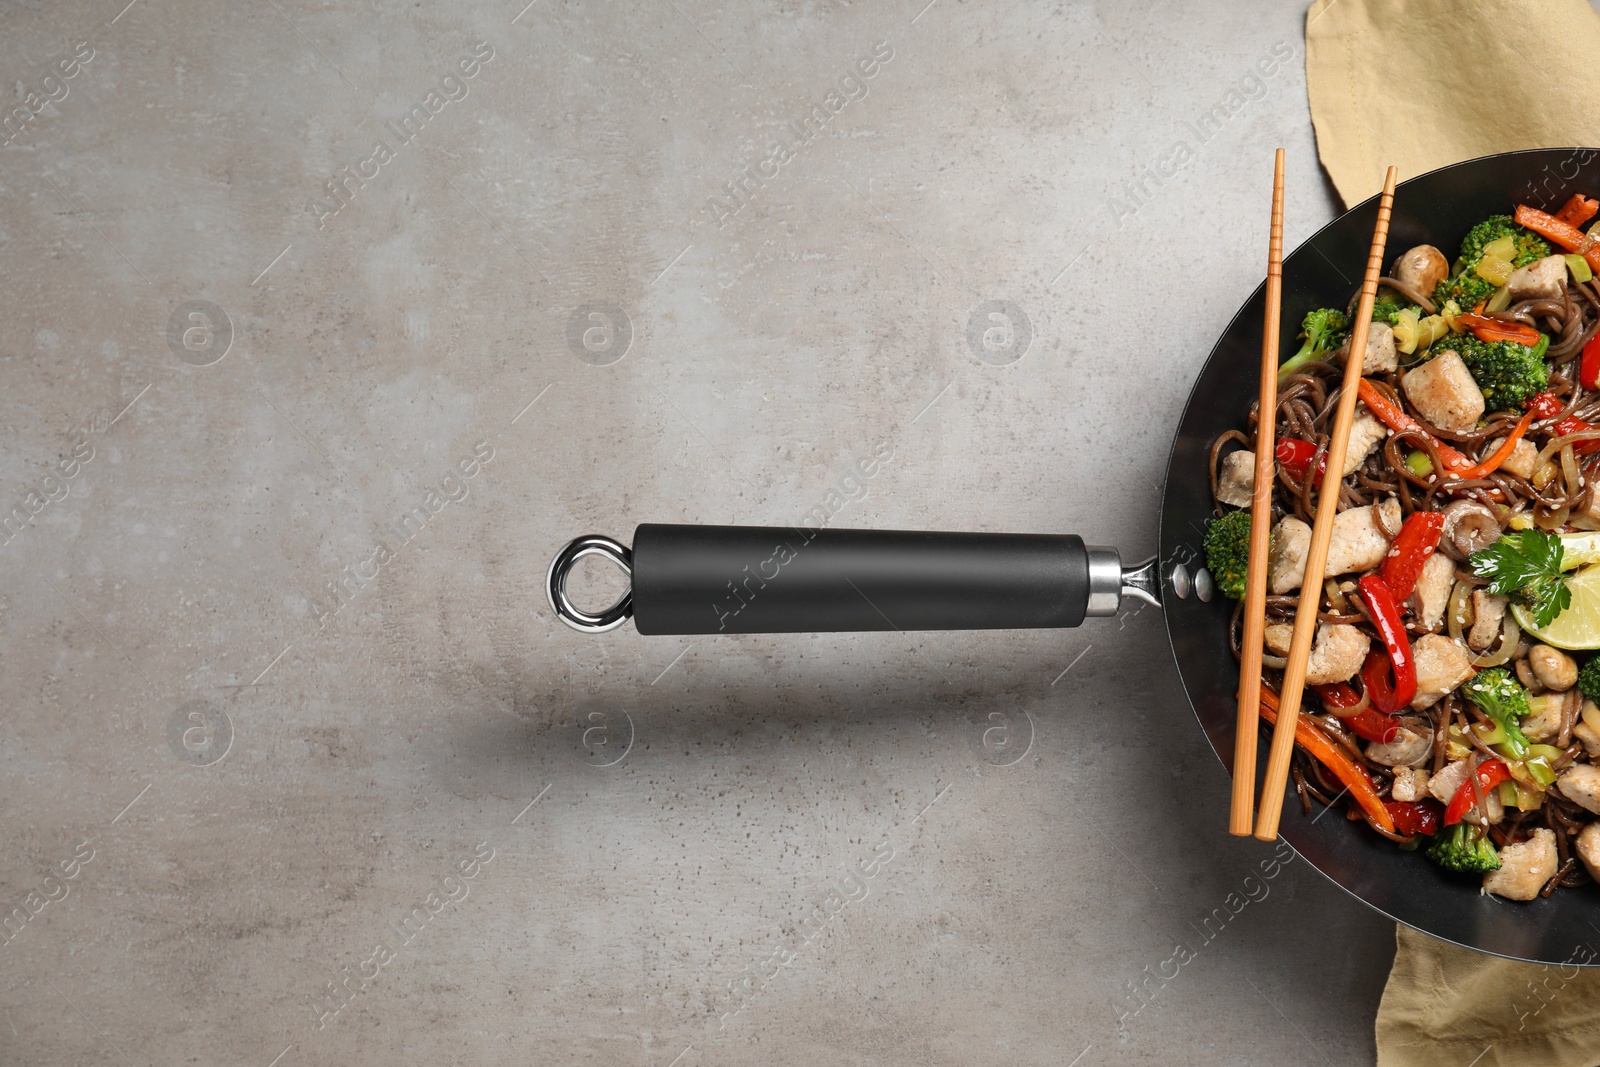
{"points": [[1467, 290], [1508, 373], [1323, 330], [1465, 849], [1530, 246], [1589, 679], [1465, 287], [1387, 309], [1498, 696], [1227, 544]]}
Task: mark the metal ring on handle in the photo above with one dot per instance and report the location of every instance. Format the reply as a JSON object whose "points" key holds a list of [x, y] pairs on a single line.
{"points": [[555, 584]]}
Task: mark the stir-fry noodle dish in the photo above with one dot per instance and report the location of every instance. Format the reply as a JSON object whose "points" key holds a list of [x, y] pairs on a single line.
{"points": [[1453, 677]]}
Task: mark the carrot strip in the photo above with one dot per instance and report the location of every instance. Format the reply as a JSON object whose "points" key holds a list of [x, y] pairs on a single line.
{"points": [[1315, 742], [1579, 210], [1562, 233], [1390, 414], [1503, 453], [1487, 329]]}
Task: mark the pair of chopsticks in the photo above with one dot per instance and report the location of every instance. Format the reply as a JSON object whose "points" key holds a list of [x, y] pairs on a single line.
{"points": [[1255, 601]]}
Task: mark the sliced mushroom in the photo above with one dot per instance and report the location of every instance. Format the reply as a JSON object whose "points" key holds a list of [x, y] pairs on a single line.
{"points": [[1553, 667], [1422, 268], [1529, 681], [1469, 526]]}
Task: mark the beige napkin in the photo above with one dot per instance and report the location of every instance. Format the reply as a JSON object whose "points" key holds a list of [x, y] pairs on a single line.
{"points": [[1424, 83], [1449, 1007], [1421, 84]]}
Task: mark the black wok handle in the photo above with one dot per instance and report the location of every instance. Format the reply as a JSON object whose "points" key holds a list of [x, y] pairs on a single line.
{"points": [[755, 579]]}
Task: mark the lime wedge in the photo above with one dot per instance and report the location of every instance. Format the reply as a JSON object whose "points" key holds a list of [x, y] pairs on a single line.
{"points": [[1579, 625]]}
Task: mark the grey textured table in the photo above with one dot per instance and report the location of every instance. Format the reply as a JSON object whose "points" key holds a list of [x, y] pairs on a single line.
{"points": [[326, 325]]}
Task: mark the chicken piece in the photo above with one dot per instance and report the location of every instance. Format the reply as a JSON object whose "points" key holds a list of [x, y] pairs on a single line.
{"points": [[1443, 392], [1524, 867], [1442, 664], [1277, 637], [1286, 566], [1380, 356], [1337, 654], [1581, 784], [1236, 482], [1432, 595], [1444, 785], [1545, 723], [1408, 749], [1359, 543], [1589, 849], [1590, 737], [1410, 783], [1366, 434], [1522, 460], [1543, 279], [1488, 611]]}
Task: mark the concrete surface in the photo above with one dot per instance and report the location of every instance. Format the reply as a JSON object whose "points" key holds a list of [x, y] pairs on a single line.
{"points": [[248, 821]]}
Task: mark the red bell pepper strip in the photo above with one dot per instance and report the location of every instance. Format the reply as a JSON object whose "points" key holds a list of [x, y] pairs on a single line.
{"points": [[1385, 615], [1332, 757], [1415, 816], [1501, 454], [1577, 211], [1295, 455], [1562, 233], [1488, 329], [1375, 680], [1368, 724], [1491, 772], [1411, 549], [1571, 425], [1589, 364], [1390, 414], [1337, 697], [1548, 405]]}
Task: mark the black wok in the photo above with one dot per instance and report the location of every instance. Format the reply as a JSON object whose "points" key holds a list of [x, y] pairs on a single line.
{"points": [[720, 579]]}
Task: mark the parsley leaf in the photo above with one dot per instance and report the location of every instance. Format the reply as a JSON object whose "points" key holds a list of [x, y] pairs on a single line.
{"points": [[1528, 564]]}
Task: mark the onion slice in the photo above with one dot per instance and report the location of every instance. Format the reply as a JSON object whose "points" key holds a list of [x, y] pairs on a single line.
{"points": [[1354, 710], [1559, 443], [1510, 634], [1456, 611], [1569, 467]]}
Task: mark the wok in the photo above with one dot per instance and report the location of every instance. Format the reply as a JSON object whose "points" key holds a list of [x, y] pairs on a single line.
{"points": [[724, 579]]}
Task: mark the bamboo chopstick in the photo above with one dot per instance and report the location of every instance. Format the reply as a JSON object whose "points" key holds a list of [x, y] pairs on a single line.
{"points": [[1305, 616], [1241, 815]]}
